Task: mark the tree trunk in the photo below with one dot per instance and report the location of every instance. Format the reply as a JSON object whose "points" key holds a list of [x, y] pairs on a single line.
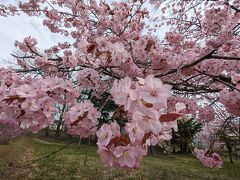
{"points": [[174, 150], [151, 150], [229, 148], [181, 147], [58, 131], [79, 141], [46, 133]]}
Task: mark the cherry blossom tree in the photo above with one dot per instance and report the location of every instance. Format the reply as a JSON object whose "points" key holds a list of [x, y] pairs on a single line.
{"points": [[9, 131], [191, 70]]}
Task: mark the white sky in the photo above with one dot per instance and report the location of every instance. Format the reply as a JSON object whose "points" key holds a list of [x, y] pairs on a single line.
{"points": [[19, 27]]}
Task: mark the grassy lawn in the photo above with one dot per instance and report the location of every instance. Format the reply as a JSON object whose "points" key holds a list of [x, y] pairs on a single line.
{"points": [[82, 162]]}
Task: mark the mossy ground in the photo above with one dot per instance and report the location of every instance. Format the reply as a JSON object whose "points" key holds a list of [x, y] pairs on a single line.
{"points": [[82, 162]]}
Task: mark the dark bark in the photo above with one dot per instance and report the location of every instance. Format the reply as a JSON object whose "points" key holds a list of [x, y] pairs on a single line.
{"points": [[58, 131], [60, 122], [46, 132], [151, 150], [229, 148]]}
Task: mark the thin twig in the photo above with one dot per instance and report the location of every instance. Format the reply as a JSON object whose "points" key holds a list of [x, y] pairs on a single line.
{"points": [[41, 158]]}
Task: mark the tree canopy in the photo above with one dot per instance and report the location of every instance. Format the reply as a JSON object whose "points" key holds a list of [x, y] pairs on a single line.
{"points": [[155, 61]]}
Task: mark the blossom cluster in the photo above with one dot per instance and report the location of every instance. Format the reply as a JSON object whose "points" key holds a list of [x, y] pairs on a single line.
{"points": [[145, 102], [88, 78], [9, 130], [206, 114], [231, 100], [81, 119], [116, 150], [212, 160], [31, 102]]}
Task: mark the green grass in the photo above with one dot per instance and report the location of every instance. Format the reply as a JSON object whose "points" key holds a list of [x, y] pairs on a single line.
{"points": [[82, 162]]}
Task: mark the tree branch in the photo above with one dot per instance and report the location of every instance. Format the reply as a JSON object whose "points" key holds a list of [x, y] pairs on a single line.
{"points": [[207, 56], [41, 158]]}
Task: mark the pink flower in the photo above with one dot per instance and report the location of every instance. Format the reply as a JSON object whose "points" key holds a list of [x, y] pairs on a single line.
{"points": [[235, 77], [212, 160], [174, 103], [206, 114], [88, 78], [49, 110], [229, 99], [180, 106], [81, 119], [115, 129], [26, 91], [135, 132], [103, 44], [25, 124], [119, 54], [122, 92], [126, 156], [105, 154], [156, 139], [168, 126], [104, 134], [147, 119], [30, 104], [155, 92], [83, 131], [165, 135]]}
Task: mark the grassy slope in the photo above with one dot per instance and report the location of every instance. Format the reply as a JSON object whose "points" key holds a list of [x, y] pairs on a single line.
{"points": [[83, 163], [14, 153]]}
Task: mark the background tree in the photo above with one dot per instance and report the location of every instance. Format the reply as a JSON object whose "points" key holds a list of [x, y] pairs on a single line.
{"points": [[184, 137], [230, 135]]}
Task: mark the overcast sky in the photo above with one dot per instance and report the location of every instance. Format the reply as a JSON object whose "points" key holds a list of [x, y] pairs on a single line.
{"points": [[19, 27]]}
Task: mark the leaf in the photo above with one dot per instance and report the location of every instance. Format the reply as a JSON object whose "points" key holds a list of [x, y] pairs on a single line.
{"points": [[10, 99], [149, 45], [148, 105], [80, 118], [90, 48], [118, 112], [145, 137], [170, 117], [122, 140]]}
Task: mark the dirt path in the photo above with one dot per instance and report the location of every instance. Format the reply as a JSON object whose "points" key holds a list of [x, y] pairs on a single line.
{"points": [[45, 141], [22, 173]]}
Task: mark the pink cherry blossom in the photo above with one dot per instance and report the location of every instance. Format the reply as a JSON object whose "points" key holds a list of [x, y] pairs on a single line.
{"points": [[122, 92], [235, 77], [206, 114], [88, 78], [30, 104], [180, 106], [104, 134], [155, 92], [26, 91], [135, 132], [115, 129], [148, 119], [126, 156], [105, 154], [81, 119], [212, 160], [103, 44]]}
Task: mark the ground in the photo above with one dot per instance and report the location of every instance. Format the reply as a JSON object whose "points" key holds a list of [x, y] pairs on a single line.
{"points": [[82, 162]]}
